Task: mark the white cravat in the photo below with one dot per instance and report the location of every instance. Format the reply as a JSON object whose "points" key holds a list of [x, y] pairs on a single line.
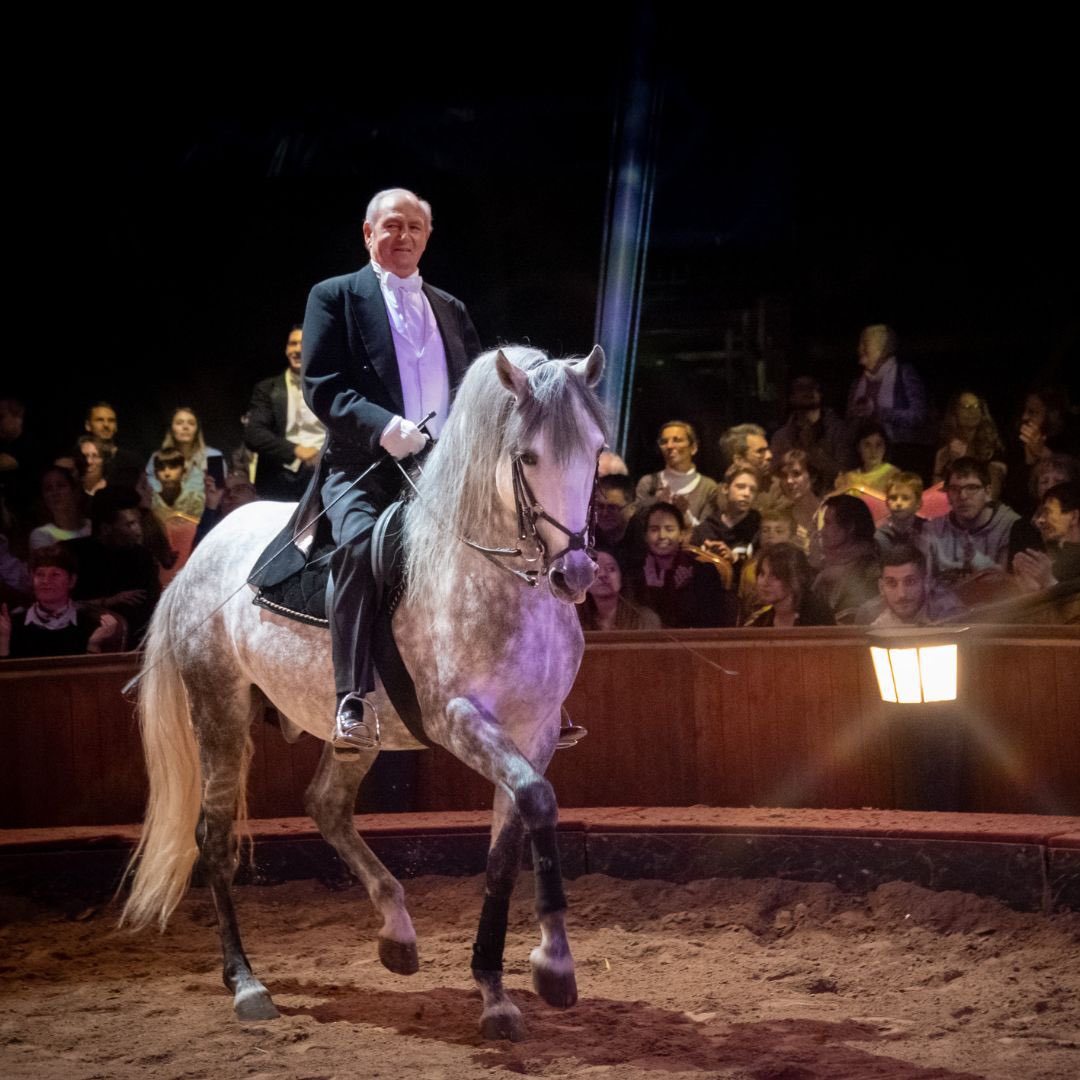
{"points": [[418, 345]]}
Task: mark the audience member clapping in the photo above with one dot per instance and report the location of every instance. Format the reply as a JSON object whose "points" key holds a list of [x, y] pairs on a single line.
{"points": [[679, 482], [801, 485], [116, 570], [65, 520], [783, 589], [1058, 522], [907, 596], [670, 581], [849, 569], [53, 625], [606, 607], [968, 430]]}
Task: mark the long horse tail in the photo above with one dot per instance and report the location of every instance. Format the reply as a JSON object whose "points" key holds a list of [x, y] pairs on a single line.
{"points": [[167, 850]]}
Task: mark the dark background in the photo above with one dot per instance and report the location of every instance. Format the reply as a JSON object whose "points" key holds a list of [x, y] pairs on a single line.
{"points": [[181, 205]]}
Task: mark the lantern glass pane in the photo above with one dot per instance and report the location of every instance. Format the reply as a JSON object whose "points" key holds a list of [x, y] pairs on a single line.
{"points": [[883, 672], [905, 666], [938, 664]]}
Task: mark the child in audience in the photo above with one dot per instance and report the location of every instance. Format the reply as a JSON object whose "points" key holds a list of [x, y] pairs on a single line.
{"points": [[172, 497], [903, 496]]}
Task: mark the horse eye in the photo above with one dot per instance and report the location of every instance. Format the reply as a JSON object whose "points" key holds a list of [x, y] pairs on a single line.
{"points": [[527, 457]]}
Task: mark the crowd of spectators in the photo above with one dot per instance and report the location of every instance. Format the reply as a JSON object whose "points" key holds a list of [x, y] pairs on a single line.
{"points": [[890, 514], [880, 515]]}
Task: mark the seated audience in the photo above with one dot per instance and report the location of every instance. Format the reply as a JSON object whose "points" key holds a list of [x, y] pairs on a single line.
{"points": [[814, 429], [732, 530], [903, 497], [606, 607], [681, 590], [1046, 427], [976, 534], [222, 501], [61, 494], [52, 625], [185, 434], [1050, 471], [1058, 522], [122, 466], [777, 527], [14, 576], [801, 485], [116, 571], [968, 430], [891, 392], [171, 497], [679, 482], [907, 597], [783, 589], [874, 472], [746, 445], [90, 464], [19, 461], [849, 568], [614, 505]]}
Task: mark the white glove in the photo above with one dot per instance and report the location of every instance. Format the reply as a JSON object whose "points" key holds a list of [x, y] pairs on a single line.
{"points": [[402, 437]]}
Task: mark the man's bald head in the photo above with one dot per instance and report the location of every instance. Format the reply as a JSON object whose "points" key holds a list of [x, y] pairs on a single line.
{"points": [[391, 195], [396, 230]]}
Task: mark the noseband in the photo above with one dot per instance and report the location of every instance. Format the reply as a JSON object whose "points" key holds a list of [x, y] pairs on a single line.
{"points": [[531, 546]]}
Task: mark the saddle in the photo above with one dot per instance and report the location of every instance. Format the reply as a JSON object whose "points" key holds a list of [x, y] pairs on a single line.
{"points": [[298, 591]]}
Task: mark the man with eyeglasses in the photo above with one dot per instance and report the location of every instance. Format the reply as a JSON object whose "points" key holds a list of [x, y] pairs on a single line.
{"points": [[977, 533]]}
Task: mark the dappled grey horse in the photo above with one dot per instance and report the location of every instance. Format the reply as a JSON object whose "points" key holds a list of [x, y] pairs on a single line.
{"points": [[492, 645]]}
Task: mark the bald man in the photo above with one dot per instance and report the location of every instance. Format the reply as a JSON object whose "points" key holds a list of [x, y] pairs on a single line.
{"points": [[381, 350]]}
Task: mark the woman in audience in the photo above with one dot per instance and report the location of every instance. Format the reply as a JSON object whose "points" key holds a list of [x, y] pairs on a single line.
{"points": [[1046, 427], [90, 464], [801, 485], [670, 581], [185, 434], [606, 607], [783, 588], [968, 430], [1050, 471], [679, 482], [52, 625], [874, 472], [60, 492], [849, 570]]}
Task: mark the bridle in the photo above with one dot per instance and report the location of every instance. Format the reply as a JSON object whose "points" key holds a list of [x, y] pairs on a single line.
{"points": [[531, 547]]}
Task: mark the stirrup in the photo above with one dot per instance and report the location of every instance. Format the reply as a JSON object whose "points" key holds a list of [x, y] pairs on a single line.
{"points": [[570, 734], [353, 733]]}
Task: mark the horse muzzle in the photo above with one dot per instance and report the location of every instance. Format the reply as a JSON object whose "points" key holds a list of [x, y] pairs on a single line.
{"points": [[570, 576]]}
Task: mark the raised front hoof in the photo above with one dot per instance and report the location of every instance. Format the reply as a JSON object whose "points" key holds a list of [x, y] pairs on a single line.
{"points": [[399, 957], [253, 1002], [502, 1021], [556, 987]]}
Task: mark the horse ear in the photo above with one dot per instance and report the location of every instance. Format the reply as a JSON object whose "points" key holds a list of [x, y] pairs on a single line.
{"points": [[512, 377], [592, 367]]}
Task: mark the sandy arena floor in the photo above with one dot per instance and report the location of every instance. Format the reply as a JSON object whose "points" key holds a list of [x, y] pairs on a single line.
{"points": [[762, 980]]}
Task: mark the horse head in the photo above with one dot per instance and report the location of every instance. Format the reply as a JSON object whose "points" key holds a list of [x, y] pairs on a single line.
{"points": [[546, 476]]}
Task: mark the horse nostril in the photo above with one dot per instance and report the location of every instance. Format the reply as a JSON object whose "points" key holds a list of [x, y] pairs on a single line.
{"points": [[558, 579]]}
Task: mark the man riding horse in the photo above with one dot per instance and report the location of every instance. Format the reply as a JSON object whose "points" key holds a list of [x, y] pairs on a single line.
{"points": [[381, 350]]}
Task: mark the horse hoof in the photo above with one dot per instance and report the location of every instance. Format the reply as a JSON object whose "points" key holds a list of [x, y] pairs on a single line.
{"points": [[400, 957], [254, 1003], [557, 988], [502, 1022]]}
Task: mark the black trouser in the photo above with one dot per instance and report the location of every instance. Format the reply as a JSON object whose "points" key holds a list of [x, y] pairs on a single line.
{"points": [[351, 598]]}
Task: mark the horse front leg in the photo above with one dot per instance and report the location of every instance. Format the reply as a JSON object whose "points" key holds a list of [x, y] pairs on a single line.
{"points": [[477, 740], [331, 801]]}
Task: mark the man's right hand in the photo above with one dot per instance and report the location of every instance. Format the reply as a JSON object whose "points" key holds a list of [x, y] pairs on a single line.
{"points": [[402, 437]]}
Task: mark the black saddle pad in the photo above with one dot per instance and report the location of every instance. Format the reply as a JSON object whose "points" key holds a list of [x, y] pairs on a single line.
{"points": [[302, 596]]}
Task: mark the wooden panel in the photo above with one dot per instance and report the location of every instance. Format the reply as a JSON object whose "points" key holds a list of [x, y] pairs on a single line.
{"points": [[799, 724]]}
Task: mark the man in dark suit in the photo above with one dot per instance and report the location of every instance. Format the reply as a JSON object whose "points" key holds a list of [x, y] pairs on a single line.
{"points": [[283, 431], [381, 350]]}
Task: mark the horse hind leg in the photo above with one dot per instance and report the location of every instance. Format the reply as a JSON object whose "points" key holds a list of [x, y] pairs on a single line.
{"points": [[225, 750], [331, 801]]}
